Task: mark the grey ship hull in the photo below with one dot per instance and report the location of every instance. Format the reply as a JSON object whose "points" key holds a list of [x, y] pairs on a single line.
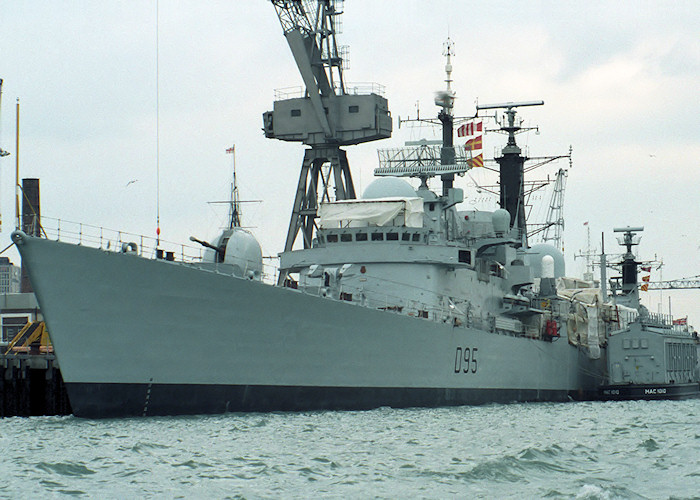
{"points": [[148, 337]]}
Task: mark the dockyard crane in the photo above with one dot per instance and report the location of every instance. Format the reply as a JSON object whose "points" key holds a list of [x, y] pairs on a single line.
{"points": [[554, 226], [679, 284], [326, 115]]}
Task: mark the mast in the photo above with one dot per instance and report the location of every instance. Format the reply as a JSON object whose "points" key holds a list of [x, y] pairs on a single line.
{"points": [[3, 153], [512, 170], [234, 211], [446, 99], [629, 289], [18, 224]]}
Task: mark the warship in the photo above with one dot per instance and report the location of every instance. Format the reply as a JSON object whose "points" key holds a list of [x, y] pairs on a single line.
{"points": [[649, 356], [396, 298]]}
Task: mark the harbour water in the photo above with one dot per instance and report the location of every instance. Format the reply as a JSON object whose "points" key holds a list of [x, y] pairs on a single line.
{"points": [[591, 450]]}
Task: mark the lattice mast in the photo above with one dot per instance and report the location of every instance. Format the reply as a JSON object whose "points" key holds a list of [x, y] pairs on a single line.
{"points": [[427, 158], [328, 114], [554, 225]]}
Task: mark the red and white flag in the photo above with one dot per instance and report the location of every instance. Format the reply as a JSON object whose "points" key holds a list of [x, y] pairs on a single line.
{"points": [[470, 129], [230, 150]]}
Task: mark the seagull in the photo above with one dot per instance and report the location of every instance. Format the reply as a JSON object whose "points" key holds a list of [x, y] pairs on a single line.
{"points": [[131, 182]]}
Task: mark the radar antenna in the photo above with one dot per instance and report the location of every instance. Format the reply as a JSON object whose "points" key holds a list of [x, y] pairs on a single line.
{"points": [[511, 162], [425, 159], [629, 288], [326, 115]]}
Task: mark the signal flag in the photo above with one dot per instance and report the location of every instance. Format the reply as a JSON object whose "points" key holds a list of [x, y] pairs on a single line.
{"points": [[644, 287], [470, 128], [645, 278], [230, 150], [681, 321], [646, 269], [477, 161], [475, 143]]}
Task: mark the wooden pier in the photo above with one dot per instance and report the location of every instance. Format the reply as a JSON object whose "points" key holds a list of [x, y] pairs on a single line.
{"points": [[31, 385]]}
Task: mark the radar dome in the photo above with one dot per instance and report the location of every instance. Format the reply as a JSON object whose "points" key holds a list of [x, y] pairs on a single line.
{"points": [[386, 187], [501, 221], [534, 259]]}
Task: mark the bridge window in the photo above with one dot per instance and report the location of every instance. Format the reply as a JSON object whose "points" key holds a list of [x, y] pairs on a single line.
{"points": [[405, 236], [296, 112], [392, 236], [377, 236], [332, 238], [416, 237], [354, 109], [346, 237], [465, 256], [361, 237]]}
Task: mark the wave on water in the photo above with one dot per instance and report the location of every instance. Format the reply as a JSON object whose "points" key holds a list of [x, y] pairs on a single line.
{"points": [[572, 450]]}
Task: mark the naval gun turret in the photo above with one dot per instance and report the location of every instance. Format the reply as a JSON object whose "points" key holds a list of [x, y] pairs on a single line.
{"points": [[235, 248]]}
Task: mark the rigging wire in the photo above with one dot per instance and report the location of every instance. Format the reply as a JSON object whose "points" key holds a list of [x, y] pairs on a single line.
{"points": [[2, 154], [157, 127]]}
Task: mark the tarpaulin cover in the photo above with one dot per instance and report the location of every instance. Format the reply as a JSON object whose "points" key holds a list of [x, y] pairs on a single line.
{"points": [[376, 212]]}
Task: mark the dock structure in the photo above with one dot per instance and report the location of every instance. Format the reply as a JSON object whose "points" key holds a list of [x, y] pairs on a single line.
{"points": [[30, 377], [31, 385]]}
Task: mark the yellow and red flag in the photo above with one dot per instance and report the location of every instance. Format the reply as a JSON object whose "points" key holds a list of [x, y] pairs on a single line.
{"points": [[644, 287], [477, 161], [475, 143]]}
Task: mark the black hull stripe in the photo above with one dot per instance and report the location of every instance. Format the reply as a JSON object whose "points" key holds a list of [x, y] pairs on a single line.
{"points": [[626, 392], [128, 400]]}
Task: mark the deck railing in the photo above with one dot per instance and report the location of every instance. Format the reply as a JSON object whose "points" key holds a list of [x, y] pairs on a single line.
{"points": [[80, 233]]}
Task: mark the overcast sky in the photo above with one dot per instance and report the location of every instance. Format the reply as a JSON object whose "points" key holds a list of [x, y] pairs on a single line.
{"points": [[620, 81]]}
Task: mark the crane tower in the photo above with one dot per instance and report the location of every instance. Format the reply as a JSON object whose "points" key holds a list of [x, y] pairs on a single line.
{"points": [[326, 116]]}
